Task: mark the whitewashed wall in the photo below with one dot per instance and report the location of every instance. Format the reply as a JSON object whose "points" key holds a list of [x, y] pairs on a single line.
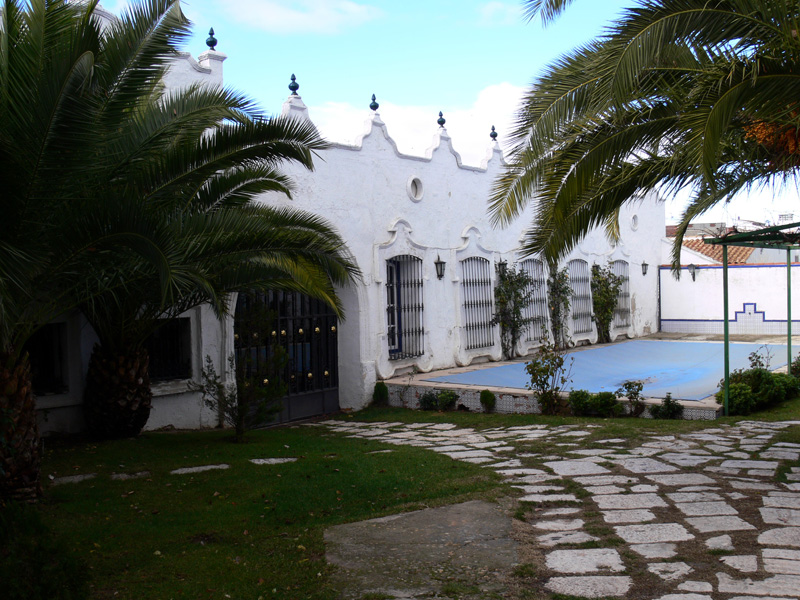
{"points": [[757, 299]]}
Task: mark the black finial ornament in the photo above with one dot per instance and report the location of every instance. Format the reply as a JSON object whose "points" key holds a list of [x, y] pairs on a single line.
{"points": [[493, 135], [294, 86], [373, 105], [211, 41], [440, 120]]}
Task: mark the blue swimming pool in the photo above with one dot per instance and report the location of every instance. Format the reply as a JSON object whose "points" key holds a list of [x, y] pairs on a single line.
{"points": [[687, 370]]}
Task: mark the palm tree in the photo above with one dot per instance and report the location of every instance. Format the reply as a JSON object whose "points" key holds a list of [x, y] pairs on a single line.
{"points": [[678, 94], [123, 199]]}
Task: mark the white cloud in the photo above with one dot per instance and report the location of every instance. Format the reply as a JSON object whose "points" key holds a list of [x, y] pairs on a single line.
{"points": [[500, 13], [301, 16], [413, 127]]}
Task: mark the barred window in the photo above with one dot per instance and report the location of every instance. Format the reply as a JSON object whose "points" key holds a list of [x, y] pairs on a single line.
{"points": [[404, 326], [622, 312], [536, 310], [580, 281], [476, 286]]}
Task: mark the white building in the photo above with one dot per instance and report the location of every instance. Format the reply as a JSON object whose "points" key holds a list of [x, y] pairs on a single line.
{"points": [[400, 216]]}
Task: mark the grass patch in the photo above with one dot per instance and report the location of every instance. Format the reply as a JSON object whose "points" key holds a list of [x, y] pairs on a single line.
{"points": [[525, 570], [247, 531]]}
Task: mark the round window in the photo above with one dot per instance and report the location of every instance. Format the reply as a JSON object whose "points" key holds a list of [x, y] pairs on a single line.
{"points": [[635, 222], [414, 188]]}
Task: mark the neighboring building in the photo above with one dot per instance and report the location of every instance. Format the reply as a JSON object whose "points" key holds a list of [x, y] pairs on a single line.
{"points": [[400, 215], [696, 251]]}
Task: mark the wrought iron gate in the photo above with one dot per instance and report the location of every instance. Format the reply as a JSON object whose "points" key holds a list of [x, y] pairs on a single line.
{"points": [[307, 330]]}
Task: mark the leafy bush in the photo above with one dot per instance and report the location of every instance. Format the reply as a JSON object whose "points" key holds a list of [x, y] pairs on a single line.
{"points": [[605, 404], [488, 400], [794, 368], [668, 409], [34, 563], [579, 401], [741, 399], [512, 294], [632, 390], [444, 400], [548, 377], [380, 394], [605, 296], [768, 389]]}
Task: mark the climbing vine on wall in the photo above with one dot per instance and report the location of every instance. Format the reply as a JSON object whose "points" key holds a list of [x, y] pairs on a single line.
{"points": [[559, 295], [605, 295], [512, 294]]}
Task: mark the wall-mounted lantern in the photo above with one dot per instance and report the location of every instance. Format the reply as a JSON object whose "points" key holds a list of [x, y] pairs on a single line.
{"points": [[439, 264], [644, 268], [692, 270], [502, 268]]}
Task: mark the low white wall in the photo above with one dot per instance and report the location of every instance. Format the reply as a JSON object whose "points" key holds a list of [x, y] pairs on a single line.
{"points": [[757, 299]]}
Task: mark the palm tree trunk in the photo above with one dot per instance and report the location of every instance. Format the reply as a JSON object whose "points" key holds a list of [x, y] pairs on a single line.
{"points": [[20, 453], [117, 398]]}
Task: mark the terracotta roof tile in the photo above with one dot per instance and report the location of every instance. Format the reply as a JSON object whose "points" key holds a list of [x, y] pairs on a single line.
{"points": [[736, 254]]}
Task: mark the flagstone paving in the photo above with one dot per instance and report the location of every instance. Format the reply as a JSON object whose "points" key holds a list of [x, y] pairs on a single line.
{"points": [[695, 516]]}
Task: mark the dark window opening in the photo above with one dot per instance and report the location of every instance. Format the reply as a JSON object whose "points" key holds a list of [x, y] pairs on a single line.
{"points": [[170, 350], [47, 352], [404, 329]]}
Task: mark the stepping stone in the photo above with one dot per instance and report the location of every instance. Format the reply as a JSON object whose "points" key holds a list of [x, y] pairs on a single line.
{"points": [[783, 561], [628, 516], [778, 585], [606, 480], [685, 460], [640, 489], [575, 467], [682, 479], [534, 479], [745, 564], [453, 448], [522, 472], [275, 461], [551, 512], [720, 542], [539, 498], [784, 536], [508, 464], [73, 478], [538, 489], [661, 550], [709, 524], [380, 451], [760, 473], [694, 497], [780, 516], [670, 571], [645, 465], [480, 460], [627, 501], [601, 490], [188, 470], [591, 586], [782, 501], [559, 524], [585, 561], [127, 476], [696, 586], [653, 533], [688, 597], [749, 464], [568, 537], [699, 509], [739, 484], [468, 454]]}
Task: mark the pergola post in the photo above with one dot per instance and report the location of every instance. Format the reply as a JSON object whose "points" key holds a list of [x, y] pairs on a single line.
{"points": [[725, 326]]}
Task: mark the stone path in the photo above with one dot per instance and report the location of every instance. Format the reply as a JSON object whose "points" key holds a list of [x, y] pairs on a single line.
{"points": [[696, 516]]}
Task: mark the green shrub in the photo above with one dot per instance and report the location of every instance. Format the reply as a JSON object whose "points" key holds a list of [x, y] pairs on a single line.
{"points": [[794, 368], [549, 375], [429, 401], [488, 400], [34, 563], [741, 400], [579, 401], [605, 404], [447, 400], [380, 394], [768, 389], [668, 409], [632, 390]]}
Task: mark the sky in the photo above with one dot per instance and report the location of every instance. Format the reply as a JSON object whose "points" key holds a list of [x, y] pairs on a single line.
{"points": [[470, 59]]}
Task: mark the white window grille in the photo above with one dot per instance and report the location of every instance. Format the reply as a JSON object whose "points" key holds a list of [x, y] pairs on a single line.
{"points": [[404, 306], [476, 285], [580, 282], [536, 310], [622, 312]]}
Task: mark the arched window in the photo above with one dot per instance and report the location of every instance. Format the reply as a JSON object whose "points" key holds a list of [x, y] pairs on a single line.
{"points": [[536, 310], [404, 327], [476, 287], [622, 312], [580, 281]]}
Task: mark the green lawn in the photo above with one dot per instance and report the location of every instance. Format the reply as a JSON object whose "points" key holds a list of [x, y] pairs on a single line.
{"points": [[257, 531]]}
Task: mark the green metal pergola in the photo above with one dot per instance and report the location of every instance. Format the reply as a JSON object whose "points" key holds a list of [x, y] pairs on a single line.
{"points": [[785, 237]]}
